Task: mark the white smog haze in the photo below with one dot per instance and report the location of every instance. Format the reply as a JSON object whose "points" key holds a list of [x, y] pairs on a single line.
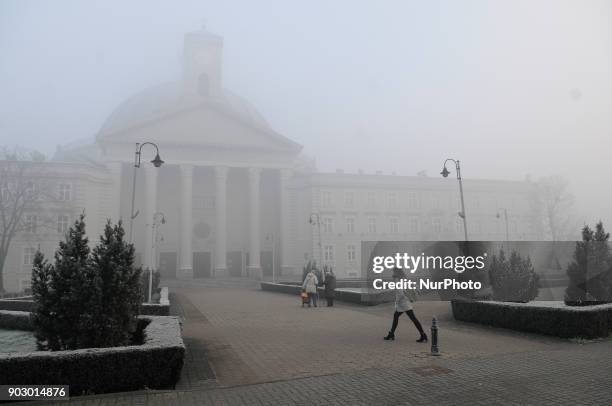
{"points": [[511, 88]]}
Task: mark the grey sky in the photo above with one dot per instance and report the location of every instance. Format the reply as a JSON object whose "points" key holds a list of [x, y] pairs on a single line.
{"points": [[510, 88]]}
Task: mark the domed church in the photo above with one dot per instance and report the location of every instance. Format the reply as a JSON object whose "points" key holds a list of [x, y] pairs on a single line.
{"points": [[234, 198]]}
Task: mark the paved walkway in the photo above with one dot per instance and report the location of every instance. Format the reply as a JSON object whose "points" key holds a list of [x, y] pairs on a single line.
{"points": [[250, 347]]}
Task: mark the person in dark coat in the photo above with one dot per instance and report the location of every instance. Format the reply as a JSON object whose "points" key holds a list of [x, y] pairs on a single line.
{"points": [[330, 287]]}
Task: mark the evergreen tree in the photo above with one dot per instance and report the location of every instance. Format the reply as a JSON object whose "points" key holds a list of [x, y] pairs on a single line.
{"points": [[86, 299], [590, 273], [513, 279], [61, 291], [117, 296]]}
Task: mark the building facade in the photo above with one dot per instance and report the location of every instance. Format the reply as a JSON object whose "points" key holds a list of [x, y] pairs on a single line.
{"points": [[239, 199]]}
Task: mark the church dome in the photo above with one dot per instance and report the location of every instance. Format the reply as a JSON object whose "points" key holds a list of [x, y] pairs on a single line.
{"points": [[170, 98]]}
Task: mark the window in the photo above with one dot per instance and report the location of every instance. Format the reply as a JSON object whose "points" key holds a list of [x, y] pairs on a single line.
{"points": [[65, 192], [28, 255], [326, 199], [29, 225], [435, 202], [328, 253], [349, 199], [203, 202], [394, 223], [62, 224], [328, 225], [392, 200], [350, 224], [436, 225], [371, 199], [351, 253], [30, 191], [459, 225], [413, 200], [372, 225], [413, 225]]}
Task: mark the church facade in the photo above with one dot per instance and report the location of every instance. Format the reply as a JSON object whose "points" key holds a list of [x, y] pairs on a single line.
{"points": [[236, 198]]}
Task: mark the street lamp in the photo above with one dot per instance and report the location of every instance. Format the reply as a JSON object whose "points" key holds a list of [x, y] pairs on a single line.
{"points": [[158, 219], [315, 220], [506, 220], [157, 162], [445, 174]]}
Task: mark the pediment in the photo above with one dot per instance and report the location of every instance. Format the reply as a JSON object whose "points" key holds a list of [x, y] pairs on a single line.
{"points": [[204, 125]]}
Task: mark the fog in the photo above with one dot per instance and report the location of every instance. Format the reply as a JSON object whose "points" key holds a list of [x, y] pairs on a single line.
{"points": [[510, 88]]}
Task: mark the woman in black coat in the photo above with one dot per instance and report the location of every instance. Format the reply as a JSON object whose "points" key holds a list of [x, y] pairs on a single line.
{"points": [[330, 287]]}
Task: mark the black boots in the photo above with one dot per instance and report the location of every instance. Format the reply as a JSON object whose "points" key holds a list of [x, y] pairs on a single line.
{"points": [[423, 338], [389, 336]]}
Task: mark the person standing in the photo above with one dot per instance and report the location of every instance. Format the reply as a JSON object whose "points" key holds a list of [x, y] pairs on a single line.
{"points": [[310, 287], [403, 304], [330, 287]]}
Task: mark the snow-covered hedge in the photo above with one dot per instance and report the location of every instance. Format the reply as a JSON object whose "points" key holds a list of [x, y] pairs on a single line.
{"points": [[156, 363], [15, 320], [548, 318], [26, 305]]}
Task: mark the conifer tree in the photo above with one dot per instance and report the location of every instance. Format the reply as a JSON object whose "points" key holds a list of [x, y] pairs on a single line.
{"points": [[590, 273], [60, 291], [115, 302]]}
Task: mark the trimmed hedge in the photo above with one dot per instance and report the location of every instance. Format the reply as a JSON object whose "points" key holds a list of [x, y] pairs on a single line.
{"points": [[15, 320], [155, 364], [146, 309], [366, 299], [565, 322]]}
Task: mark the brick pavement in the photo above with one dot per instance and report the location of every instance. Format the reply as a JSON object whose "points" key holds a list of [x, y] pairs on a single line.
{"points": [[251, 347]]}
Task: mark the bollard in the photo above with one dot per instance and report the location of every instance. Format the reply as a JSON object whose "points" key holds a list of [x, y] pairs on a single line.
{"points": [[434, 337]]}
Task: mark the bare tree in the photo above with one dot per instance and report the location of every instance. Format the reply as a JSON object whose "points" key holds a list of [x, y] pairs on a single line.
{"points": [[556, 209], [557, 205], [21, 192]]}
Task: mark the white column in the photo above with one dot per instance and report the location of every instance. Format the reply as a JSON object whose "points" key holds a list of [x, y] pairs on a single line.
{"points": [[254, 267], [186, 226], [114, 212], [221, 221], [285, 237], [151, 208]]}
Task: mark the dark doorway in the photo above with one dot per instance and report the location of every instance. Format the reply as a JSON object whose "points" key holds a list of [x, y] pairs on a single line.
{"points": [[234, 263], [167, 265], [266, 262], [201, 265]]}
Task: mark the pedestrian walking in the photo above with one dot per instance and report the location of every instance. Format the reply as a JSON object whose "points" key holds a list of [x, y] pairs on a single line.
{"points": [[404, 298]]}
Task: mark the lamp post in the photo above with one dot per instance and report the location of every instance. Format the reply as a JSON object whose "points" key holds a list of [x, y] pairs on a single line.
{"points": [[157, 162], [506, 220], [445, 173], [158, 219], [270, 237], [315, 220]]}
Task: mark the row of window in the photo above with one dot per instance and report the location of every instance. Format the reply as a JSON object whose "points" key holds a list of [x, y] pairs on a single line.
{"points": [[31, 222], [329, 254], [350, 200], [327, 225], [413, 200]]}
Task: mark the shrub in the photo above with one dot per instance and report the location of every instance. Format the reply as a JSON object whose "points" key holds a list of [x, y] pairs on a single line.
{"points": [[309, 266], [156, 364], [86, 299], [513, 279], [590, 273]]}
